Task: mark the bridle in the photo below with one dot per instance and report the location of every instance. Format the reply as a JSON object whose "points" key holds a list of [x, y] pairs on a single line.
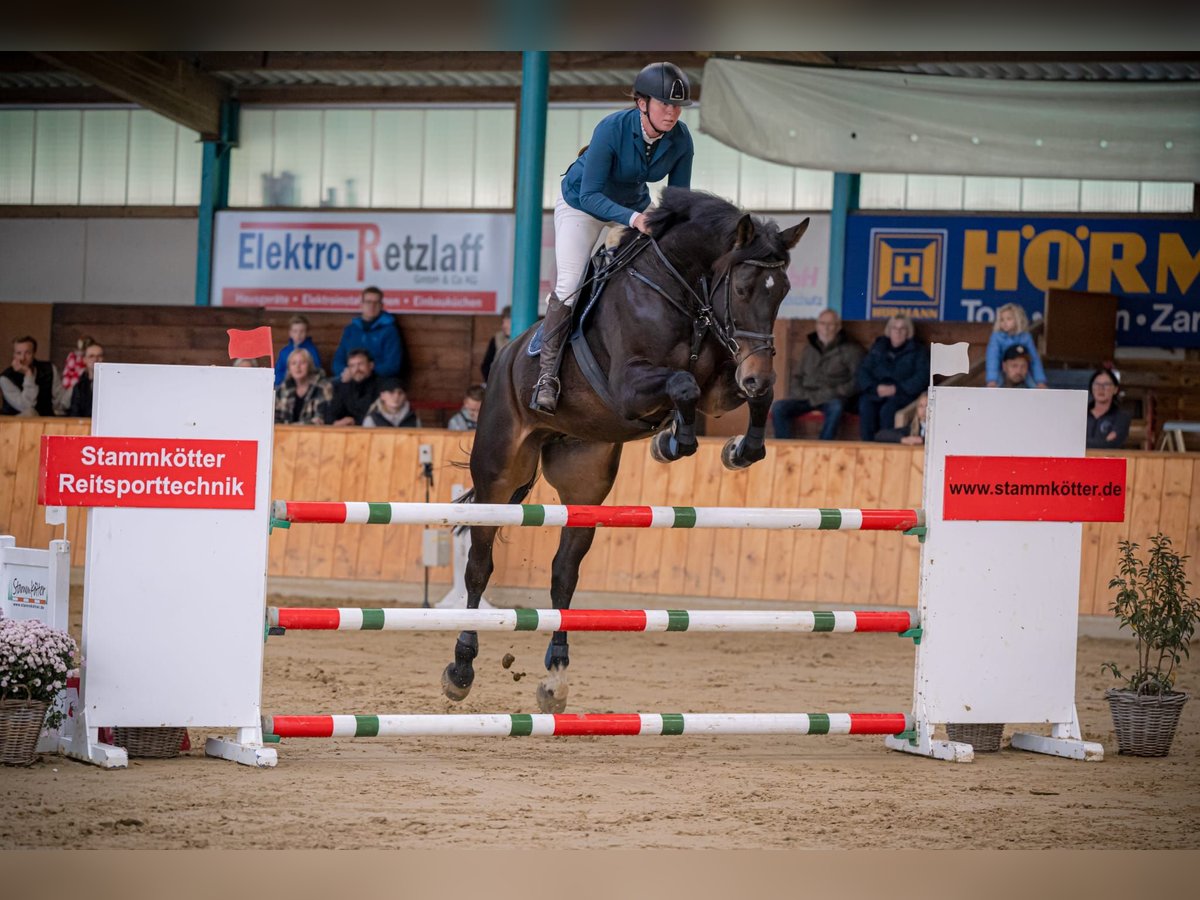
{"points": [[703, 314]]}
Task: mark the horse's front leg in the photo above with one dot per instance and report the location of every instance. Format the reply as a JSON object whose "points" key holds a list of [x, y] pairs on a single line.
{"points": [[642, 389], [742, 452]]}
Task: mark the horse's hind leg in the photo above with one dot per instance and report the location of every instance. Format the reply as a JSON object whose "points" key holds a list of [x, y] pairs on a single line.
{"points": [[582, 474], [501, 475]]}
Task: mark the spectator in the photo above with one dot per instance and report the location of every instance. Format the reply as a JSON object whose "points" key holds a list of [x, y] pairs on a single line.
{"points": [[825, 379], [376, 331], [910, 424], [391, 409], [245, 363], [306, 395], [466, 418], [893, 374], [498, 342], [354, 395], [81, 394], [73, 367], [1107, 426], [1012, 330], [297, 337], [1014, 369], [31, 387]]}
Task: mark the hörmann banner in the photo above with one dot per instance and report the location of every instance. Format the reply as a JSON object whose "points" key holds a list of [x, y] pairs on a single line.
{"points": [[423, 262], [962, 268]]}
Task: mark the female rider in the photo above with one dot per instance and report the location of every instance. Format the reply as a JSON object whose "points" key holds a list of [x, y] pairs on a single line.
{"points": [[608, 183]]}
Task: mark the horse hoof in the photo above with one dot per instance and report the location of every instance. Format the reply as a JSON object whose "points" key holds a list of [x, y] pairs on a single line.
{"points": [[450, 688], [552, 691], [657, 453], [729, 457]]}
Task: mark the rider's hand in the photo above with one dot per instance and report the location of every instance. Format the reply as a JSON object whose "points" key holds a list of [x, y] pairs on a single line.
{"points": [[639, 222]]}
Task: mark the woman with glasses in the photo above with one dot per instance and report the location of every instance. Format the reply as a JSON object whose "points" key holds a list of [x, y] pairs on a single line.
{"points": [[1107, 425]]}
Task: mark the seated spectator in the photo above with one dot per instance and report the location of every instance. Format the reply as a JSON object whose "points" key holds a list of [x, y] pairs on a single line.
{"points": [[297, 337], [376, 331], [81, 394], [1014, 369], [825, 380], [245, 363], [893, 374], [1012, 330], [31, 387], [391, 409], [306, 395], [354, 394], [910, 424], [1107, 426], [466, 418], [498, 342], [73, 367]]}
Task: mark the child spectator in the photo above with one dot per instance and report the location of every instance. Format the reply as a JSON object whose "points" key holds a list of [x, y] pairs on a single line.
{"points": [[297, 337], [306, 395], [498, 342], [1012, 329], [466, 418], [73, 367], [391, 409], [910, 424]]}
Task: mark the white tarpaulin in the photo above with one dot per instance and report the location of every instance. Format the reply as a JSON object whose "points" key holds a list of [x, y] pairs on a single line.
{"points": [[851, 121]]}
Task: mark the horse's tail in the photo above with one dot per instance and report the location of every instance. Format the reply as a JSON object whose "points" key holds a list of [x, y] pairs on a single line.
{"points": [[467, 497], [518, 496]]}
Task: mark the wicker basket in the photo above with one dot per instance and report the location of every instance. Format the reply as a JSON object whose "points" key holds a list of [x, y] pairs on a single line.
{"points": [[985, 738], [149, 743], [1144, 723], [20, 726]]}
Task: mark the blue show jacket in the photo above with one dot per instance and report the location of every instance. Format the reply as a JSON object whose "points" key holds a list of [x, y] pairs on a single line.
{"points": [[609, 179]]}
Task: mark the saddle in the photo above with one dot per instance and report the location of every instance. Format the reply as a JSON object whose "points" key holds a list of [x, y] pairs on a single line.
{"points": [[600, 268]]}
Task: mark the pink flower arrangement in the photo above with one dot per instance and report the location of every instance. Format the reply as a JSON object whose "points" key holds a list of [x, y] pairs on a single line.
{"points": [[36, 657]]}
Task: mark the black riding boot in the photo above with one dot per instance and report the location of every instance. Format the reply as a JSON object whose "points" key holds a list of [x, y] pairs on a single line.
{"points": [[554, 336]]}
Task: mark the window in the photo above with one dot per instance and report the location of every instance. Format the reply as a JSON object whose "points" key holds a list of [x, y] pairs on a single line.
{"points": [[461, 157], [881, 191], [101, 156]]}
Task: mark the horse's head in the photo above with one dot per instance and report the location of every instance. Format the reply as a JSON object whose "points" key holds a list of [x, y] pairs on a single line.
{"points": [[754, 273]]}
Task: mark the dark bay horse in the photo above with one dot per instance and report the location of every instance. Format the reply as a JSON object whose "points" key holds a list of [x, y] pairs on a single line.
{"points": [[685, 324]]}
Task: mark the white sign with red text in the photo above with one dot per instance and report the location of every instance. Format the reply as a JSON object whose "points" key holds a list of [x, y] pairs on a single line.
{"points": [[424, 262]]}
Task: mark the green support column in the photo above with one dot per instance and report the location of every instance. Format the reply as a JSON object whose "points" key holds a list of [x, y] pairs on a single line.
{"points": [[214, 195], [845, 201], [531, 157]]}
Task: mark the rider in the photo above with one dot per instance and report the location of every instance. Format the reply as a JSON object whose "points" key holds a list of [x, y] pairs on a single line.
{"points": [[608, 183]]}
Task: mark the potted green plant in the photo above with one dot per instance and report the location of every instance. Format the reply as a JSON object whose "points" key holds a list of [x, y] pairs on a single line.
{"points": [[1154, 603]]}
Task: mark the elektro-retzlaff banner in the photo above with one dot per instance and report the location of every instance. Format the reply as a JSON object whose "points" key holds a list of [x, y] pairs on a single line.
{"points": [[423, 262]]}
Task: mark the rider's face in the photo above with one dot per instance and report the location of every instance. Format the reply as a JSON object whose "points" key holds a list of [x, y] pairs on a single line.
{"points": [[661, 116]]}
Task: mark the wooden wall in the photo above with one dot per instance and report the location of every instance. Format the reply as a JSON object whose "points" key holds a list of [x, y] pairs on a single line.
{"points": [[811, 567], [446, 351]]}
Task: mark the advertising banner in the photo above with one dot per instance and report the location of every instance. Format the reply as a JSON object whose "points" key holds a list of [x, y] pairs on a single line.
{"points": [[962, 268], [158, 473], [423, 262], [1034, 489]]}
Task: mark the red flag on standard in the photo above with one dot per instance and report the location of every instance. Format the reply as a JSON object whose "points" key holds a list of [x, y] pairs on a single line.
{"points": [[250, 344]]}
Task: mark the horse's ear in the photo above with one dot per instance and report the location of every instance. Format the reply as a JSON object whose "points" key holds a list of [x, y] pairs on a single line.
{"points": [[745, 232], [791, 237]]}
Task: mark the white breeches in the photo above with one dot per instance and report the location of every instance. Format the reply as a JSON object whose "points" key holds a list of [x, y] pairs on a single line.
{"points": [[575, 236]]}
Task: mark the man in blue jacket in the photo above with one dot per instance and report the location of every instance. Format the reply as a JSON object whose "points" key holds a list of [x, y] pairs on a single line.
{"points": [[376, 331], [629, 150]]}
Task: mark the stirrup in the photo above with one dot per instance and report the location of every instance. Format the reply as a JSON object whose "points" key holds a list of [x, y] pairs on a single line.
{"points": [[544, 380]]}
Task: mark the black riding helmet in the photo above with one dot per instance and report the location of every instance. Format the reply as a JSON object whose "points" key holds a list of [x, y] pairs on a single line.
{"points": [[664, 82]]}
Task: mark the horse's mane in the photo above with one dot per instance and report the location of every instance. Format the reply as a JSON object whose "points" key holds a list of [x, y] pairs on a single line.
{"points": [[711, 215]]}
